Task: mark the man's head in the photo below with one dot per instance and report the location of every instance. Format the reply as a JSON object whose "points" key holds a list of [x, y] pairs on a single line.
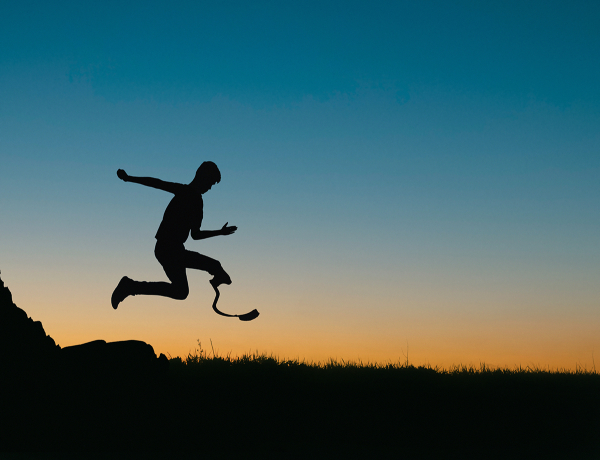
{"points": [[207, 175]]}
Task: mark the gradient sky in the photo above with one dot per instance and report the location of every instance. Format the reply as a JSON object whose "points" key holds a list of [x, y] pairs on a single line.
{"points": [[403, 174]]}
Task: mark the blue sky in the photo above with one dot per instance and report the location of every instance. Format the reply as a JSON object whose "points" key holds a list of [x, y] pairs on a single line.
{"points": [[280, 52], [399, 171]]}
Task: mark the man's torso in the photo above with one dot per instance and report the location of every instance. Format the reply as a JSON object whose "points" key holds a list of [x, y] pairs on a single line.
{"points": [[183, 213]]}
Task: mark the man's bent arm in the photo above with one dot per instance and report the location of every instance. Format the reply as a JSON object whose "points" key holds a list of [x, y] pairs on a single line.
{"points": [[203, 234], [171, 187], [198, 234]]}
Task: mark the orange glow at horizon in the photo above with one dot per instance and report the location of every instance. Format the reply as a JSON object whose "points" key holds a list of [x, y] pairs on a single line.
{"points": [[317, 334]]}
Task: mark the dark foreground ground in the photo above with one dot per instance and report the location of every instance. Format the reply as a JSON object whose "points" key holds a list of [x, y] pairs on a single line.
{"points": [[262, 408]]}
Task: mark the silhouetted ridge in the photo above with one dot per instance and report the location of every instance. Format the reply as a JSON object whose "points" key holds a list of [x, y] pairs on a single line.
{"points": [[25, 344], [22, 340]]}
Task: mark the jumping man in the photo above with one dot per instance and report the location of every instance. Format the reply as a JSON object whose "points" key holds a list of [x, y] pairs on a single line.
{"points": [[182, 217]]}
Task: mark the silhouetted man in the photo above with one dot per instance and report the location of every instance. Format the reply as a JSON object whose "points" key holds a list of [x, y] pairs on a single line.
{"points": [[182, 217]]}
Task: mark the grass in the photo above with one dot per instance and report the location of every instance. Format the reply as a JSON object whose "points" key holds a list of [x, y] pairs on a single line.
{"points": [[361, 410], [207, 360], [260, 406]]}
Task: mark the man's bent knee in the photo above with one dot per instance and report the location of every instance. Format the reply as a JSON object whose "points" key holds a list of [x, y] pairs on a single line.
{"points": [[181, 292], [215, 268]]}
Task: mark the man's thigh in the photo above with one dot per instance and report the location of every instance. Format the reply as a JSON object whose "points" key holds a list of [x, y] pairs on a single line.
{"points": [[201, 262], [172, 260]]}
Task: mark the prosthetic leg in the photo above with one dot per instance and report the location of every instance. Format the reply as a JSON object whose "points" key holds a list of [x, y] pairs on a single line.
{"points": [[245, 317]]}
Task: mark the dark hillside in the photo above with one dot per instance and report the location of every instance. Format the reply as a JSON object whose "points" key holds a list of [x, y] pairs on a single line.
{"points": [[259, 407], [22, 340]]}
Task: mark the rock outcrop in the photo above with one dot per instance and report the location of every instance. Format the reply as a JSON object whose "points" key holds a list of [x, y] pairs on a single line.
{"points": [[131, 357], [24, 345], [23, 341]]}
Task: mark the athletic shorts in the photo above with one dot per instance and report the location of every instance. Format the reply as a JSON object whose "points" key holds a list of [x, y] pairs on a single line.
{"points": [[170, 254]]}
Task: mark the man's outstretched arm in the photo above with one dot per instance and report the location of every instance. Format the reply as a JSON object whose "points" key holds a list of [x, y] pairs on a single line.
{"points": [[198, 234], [172, 187]]}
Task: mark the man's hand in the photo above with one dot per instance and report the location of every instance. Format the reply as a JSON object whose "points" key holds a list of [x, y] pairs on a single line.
{"points": [[227, 230], [123, 176]]}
